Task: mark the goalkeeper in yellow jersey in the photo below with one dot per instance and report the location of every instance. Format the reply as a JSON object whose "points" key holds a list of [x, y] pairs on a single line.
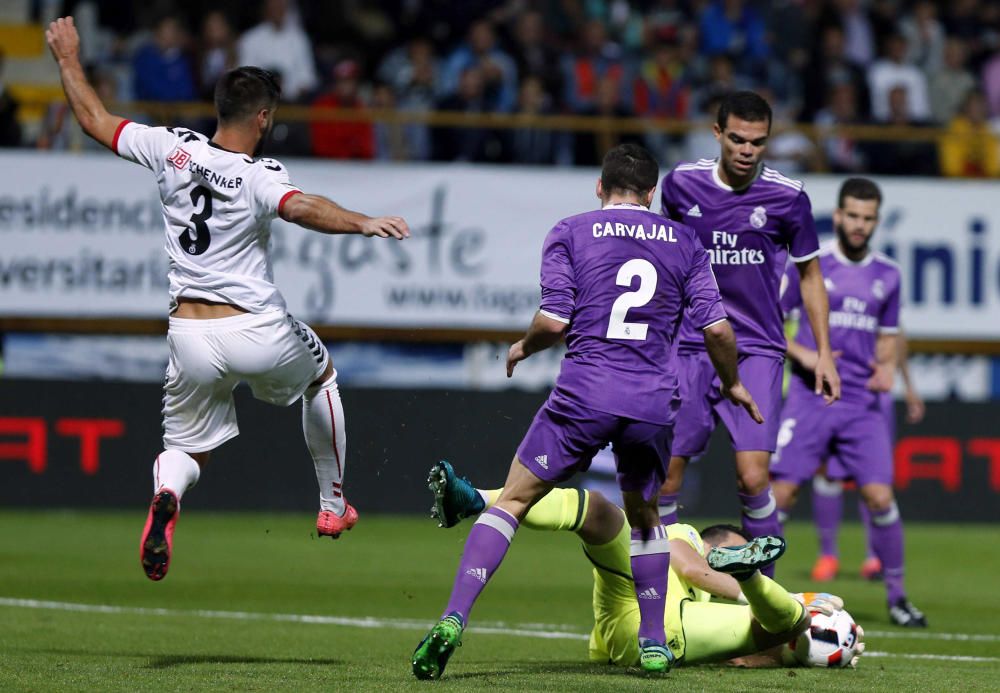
{"points": [[716, 562]]}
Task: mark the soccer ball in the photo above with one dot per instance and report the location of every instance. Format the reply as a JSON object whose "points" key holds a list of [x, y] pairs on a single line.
{"points": [[830, 641]]}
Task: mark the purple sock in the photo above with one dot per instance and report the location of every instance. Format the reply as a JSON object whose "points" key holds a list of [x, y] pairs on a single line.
{"points": [[650, 561], [485, 548], [668, 508], [760, 518], [887, 538], [828, 510], [866, 520]]}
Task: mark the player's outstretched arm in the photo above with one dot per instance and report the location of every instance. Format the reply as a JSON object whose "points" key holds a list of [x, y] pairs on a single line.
{"points": [[720, 342], [64, 42], [321, 214], [543, 333], [693, 567], [817, 305]]}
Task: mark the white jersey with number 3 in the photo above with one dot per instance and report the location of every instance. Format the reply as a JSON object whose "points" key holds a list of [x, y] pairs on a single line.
{"points": [[217, 207]]}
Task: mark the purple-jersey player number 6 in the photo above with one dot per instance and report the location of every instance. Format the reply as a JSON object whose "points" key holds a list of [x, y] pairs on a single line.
{"points": [[617, 327]]}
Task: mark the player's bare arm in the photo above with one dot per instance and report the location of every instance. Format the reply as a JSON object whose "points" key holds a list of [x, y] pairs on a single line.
{"points": [[543, 333], [915, 407], [884, 365], [721, 345], [817, 305], [694, 569], [804, 356], [318, 213], [64, 42]]}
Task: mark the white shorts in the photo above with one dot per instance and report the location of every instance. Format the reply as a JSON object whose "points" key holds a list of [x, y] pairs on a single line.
{"points": [[275, 353]]}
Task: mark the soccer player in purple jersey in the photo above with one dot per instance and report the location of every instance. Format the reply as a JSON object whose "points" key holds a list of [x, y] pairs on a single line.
{"points": [[864, 288], [751, 219], [615, 282]]}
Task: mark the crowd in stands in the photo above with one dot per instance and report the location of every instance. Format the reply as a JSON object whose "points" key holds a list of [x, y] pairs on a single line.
{"points": [[912, 63]]}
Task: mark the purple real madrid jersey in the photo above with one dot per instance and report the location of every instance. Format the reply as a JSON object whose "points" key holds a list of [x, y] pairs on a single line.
{"points": [[621, 278], [749, 234], [864, 301]]}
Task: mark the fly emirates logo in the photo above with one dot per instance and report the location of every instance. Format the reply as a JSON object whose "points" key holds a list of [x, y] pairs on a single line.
{"points": [[725, 252]]}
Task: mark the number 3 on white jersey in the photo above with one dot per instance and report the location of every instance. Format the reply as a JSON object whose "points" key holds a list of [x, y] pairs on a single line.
{"points": [[617, 327]]}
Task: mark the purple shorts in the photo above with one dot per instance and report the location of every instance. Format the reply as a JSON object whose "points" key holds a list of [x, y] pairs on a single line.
{"points": [[835, 469], [811, 432], [564, 437], [702, 404]]}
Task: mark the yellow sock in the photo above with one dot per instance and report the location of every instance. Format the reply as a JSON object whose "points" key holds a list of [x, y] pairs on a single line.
{"points": [[771, 605], [561, 509]]}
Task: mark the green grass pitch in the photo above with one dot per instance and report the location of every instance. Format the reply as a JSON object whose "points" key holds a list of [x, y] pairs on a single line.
{"points": [[229, 614]]}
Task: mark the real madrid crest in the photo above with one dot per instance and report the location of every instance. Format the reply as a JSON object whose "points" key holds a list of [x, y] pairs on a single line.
{"points": [[878, 289], [758, 217]]}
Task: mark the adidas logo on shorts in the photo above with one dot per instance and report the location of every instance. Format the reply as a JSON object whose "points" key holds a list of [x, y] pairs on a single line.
{"points": [[543, 461], [650, 593]]}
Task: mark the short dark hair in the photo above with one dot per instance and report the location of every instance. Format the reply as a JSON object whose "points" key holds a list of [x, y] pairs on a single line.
{"points": [[716, 533], [745, 105], [629, 167], [859, 189], [243, 91]]}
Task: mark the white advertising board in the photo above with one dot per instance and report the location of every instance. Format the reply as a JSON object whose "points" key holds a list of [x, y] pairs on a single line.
{"points": [[81, 236]]}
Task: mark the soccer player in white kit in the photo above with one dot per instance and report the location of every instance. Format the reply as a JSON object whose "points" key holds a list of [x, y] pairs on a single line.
{"points": [[228, 321]]}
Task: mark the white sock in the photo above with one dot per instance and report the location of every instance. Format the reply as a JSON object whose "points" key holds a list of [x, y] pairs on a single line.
{"points": [[326, 437], [176, 471]]}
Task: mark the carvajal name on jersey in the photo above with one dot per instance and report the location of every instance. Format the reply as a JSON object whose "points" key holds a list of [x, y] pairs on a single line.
{"points": [[657, 232], [216, 179]]}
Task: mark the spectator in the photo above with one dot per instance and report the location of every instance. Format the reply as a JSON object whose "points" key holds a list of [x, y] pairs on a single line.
{"points": [[10, 127], [497, 69], [969, 148], [279, 44], [893, 71], [859, 34], [924, 36], [829, 68], [991, 84], [721, 80], [660, 89], [902, 156], [533, 145], [414, 73], [389, 138], [595, 59], [589, 147], [949, 85], [160, 68], [843, 154], [534, 55], [733, 28], [666, 19], [468, 143], [216, 52], [342, 139]]}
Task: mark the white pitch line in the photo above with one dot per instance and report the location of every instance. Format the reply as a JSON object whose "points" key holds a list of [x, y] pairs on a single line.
{"points": [[930, 635], [944, 658], [531, 630]]}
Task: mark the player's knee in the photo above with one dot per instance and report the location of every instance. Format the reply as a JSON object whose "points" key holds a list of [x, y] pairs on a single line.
{"points": [[785, 494], [879, 498], [753, 481]]}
